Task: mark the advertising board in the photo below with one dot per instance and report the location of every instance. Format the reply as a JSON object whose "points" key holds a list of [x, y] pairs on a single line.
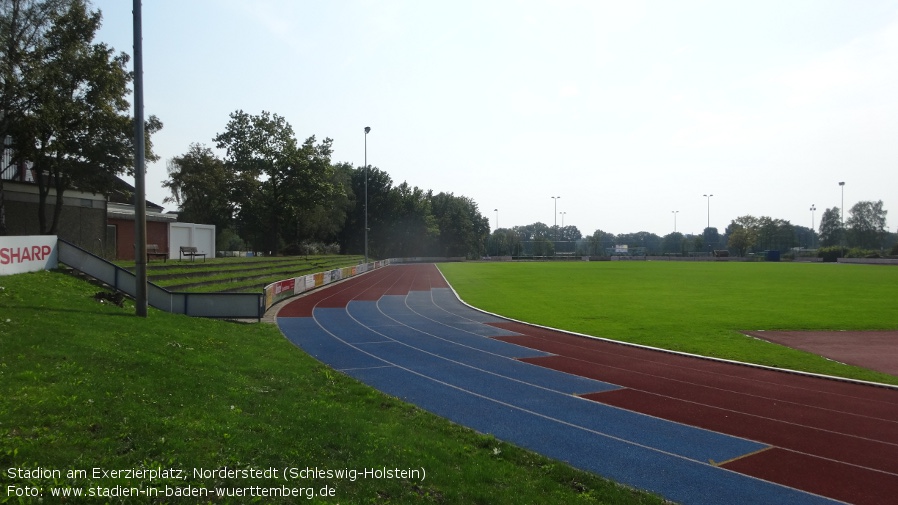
{"points": [[30, 253]]}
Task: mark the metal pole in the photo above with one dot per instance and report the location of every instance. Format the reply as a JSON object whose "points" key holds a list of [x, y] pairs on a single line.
{"points": [[709, 209], [367, 129], [556, 216], [674, 212], [140, 199], [842, 216]]}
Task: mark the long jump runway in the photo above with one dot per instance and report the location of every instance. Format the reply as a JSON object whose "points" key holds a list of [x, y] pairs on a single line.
{"points": [[695, 431]]}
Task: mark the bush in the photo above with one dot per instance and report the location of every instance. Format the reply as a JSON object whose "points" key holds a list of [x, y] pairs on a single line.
{"points": [[861, 253], [310, 248], [831, 254]]}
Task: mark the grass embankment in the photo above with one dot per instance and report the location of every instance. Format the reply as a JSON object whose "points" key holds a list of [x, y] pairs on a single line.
{"points": [[237, 274], [693, 307], [85, 385]]}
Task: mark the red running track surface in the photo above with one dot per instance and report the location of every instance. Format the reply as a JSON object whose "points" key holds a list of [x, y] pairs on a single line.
{"points": [[833, 438]]}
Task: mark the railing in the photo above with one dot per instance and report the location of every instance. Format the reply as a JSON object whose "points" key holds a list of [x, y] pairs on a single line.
{"points": [[217, 305]]}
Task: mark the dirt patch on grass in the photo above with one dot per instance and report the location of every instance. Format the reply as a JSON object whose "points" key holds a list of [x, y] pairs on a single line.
{"points": [[876, 350]]}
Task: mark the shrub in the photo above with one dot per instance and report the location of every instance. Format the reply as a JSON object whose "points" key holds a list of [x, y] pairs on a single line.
{"points": [[857, 252], [831, 254]]}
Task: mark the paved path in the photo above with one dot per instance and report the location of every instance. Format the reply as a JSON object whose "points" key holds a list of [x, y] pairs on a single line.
{"points": [[692, 430]]}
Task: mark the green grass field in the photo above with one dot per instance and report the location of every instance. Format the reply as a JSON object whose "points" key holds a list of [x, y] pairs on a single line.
{"points": [[85, 386], [696, 307]]}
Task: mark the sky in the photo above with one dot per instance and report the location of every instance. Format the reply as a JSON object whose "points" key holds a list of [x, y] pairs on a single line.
{"points": [[629, 111]]}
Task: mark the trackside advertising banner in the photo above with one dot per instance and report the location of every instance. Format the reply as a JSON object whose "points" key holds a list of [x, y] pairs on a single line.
{"points": [[27, 254], [282, 290]]}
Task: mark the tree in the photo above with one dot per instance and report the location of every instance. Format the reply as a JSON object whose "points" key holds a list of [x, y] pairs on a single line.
{"points": [[775, 234], [325, 221], [742, 233], [201, 186], [711, 238], [352, 236], [414, 229], [73, 122], [867, 225], [644, 239], [23, 24], [462, 229], [672, 243], [599, 241], [831, 231], [280, 178]]}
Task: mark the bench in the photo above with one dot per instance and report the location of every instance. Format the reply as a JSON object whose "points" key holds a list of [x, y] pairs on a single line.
{"points": [[192, 252], [153, 251]]}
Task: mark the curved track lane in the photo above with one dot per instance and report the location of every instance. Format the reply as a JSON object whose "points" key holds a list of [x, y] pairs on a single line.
{"points": [[692, 430]]}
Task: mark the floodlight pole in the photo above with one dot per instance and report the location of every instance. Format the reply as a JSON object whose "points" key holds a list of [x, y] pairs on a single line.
{"points": [[675, 212], [497, 229], [367, 129], [709, 209], [842, 216], [842, 209], [556, 218], [140, 207], [813, 208]]}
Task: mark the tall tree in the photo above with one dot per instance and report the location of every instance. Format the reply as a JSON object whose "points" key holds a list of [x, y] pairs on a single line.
{"points": [[281, 178], [672, 243], [742, 233], [325, 221], [463, 230], [74, 124], [23, 24], [867, 224], [831, 231], [202, 187], [379, 186], [599, 241]]}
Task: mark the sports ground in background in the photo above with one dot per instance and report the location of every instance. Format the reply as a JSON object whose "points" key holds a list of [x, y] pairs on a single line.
{"points": [[690, 429]]}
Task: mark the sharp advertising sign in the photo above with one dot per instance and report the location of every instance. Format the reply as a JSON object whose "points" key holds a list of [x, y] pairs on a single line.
{"points": [[27, 254]]}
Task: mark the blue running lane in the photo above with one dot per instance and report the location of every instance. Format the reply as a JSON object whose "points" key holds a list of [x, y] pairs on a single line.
{"points": [[428, 348]]}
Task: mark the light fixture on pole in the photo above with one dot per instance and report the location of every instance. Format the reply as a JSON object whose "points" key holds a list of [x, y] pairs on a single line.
{"points": [[675, 212], [709, 209], [367, 129], [842, 210], [497, 229], [556, 215]]}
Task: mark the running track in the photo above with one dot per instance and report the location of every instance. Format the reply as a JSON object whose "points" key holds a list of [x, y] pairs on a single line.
{"points": [[693, 430]]}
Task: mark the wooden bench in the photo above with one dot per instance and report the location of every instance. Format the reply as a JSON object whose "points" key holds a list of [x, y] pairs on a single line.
{"points": [[192, 252], [153, 251]]}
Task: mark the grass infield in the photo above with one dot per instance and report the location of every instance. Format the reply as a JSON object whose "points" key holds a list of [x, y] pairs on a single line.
{"points": [[695, 307], [89, 387]]}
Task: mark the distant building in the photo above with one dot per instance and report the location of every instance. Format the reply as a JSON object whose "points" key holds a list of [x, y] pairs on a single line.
{"points": [[100, 224]]}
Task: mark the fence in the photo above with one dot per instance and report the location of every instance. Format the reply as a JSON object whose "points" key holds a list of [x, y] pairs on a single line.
{"points": [[217, 305]]}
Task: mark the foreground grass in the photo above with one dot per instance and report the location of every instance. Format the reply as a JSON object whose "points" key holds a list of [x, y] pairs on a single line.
{"points": [[694, 307], [85, 385]]}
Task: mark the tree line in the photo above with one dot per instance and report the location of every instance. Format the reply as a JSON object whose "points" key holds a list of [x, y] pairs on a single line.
{"points": [[863, 233], [274, 194]]}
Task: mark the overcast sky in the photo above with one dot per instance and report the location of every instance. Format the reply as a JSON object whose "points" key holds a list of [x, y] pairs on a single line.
{"points": [[627, 110]]}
